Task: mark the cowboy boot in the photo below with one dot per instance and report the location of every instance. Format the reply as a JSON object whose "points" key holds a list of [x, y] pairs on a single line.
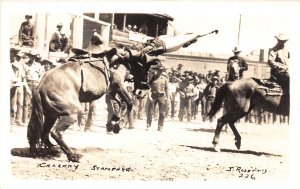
{"points": [[157, 51]]}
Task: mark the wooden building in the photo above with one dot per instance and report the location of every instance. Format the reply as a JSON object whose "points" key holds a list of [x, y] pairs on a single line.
{"points": [[113, 27]]}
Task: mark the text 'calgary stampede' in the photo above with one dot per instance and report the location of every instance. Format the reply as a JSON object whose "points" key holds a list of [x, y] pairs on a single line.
{"points": [[74, 167]]}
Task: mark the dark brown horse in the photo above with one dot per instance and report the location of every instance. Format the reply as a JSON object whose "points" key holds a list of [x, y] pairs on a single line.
{"points": [[83, 78], [59, 95], [240, 97]]}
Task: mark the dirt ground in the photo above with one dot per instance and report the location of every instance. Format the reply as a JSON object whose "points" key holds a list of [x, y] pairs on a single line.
{"points": [[182, 151]]}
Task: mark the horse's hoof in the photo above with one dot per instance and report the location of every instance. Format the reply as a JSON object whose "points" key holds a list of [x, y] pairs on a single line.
{"points": [[74, 158], [116, 128], [217, 148], [33, 153], [109, 127], [238, 144]]}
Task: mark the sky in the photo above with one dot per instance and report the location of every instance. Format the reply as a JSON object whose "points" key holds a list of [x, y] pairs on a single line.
{"points": [[259, 25]]}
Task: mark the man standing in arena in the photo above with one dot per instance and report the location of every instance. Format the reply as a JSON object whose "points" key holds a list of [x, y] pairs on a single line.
{"points": [[236, 59], [159, 94], [34, 72], [210, 93], [187, 94], [18, 87]]}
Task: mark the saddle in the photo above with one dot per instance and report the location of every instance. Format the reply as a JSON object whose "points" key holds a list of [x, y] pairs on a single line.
{"points": [[84, 57], [270, 86]]}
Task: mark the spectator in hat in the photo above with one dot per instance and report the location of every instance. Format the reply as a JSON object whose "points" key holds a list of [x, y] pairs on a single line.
{"points": [[173, 89], [128, 28], [55, 39], [201, 85], [243, 66], [209, 76], [210, 92], [96, 38], [201, 76], [216, 73], [34, 72], [134, 29], [179, 68], [18, 87], [279, 58], [195, 102], [26, 37], [159, 94], [187, 94], [65, 42], [59, 41]]}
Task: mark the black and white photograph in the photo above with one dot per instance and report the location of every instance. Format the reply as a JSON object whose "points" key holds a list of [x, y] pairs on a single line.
{"points": [[149, 94]]}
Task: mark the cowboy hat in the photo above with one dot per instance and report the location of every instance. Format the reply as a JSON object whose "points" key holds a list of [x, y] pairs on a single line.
{"points": [[189, 78], [201, 75], [28, 17], [59, 25], [282, 37], [20, 54], [32, 53], [236, 50], [14, 50], [215, 78]]}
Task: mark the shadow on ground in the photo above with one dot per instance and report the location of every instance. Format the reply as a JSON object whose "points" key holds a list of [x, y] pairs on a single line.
{"points": [[40, 153], [211, 149], [205, 130], [44, 153]]}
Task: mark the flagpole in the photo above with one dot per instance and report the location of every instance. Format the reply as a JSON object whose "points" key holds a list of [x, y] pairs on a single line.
{"points": [[239, 31]]}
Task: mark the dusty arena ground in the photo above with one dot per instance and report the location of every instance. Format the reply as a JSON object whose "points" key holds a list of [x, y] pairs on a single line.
{"points": [[182, 151]]}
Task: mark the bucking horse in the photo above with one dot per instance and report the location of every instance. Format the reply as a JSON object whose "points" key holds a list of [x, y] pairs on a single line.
{"points": [[58, 97]]}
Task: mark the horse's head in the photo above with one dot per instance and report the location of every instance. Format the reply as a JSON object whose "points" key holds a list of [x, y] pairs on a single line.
{"points": [[234, 69]]}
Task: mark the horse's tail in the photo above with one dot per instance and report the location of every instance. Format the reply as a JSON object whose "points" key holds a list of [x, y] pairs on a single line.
{"points": [[35, 125], [221, 93]]}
